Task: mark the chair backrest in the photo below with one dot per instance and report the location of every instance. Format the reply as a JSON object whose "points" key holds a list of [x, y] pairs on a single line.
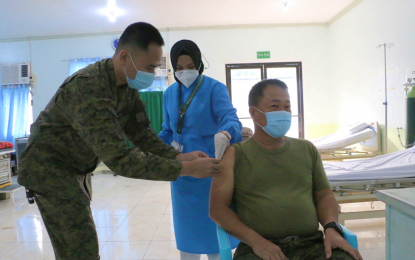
{"points": [[225, 250], [350, 237]]}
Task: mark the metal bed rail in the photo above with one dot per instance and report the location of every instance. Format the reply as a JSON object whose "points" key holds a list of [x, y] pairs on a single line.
{"points": [[364, 191]]}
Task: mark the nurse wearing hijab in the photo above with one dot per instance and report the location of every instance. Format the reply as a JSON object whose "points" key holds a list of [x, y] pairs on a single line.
{"points": [[198, 116]]}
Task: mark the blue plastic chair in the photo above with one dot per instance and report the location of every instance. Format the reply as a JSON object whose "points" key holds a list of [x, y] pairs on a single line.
{"points": [[225, 250]]}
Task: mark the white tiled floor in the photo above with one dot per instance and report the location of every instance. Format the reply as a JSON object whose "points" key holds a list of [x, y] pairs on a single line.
{"points": [[133, 219]]}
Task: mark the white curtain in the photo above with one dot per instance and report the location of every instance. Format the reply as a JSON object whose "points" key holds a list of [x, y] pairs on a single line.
{"points": [[14, 112], [77, 64]]}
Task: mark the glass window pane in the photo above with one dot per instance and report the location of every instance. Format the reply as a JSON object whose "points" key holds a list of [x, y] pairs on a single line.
{"points": [[248, 123], [242, 80], [293, 132], [289, 77]]}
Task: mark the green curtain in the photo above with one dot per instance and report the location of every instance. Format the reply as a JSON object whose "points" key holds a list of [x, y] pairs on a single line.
{"points": [[154, 108]]}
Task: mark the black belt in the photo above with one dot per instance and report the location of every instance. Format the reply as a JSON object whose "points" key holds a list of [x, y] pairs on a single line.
{"points": [[316, 235]]}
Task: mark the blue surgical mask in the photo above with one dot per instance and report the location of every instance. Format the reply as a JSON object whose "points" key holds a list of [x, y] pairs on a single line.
{"points": [[278, 123], [142, 79]]}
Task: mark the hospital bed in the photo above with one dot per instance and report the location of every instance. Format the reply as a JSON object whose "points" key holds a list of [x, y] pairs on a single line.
{"points": [[360, 140], [359, 180]]}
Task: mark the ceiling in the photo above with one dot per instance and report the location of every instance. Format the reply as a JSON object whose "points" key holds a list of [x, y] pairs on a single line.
{"points": [[42, 18]]}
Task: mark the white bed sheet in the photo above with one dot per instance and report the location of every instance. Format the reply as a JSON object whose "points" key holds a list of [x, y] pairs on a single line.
{"points": [[341, 139], [389, 166]]}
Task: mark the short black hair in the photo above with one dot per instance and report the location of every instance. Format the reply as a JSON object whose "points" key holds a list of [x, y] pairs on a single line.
{"points": [[139, 35], [257, 91]]}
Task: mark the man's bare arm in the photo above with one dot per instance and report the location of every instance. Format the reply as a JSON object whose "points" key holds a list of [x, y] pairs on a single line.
{"points": [[326, 206], [221, 193], [327, 212]]}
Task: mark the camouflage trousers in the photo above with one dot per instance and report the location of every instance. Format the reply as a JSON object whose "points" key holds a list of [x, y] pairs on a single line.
{"points": [[309, 248], [71, 228]]}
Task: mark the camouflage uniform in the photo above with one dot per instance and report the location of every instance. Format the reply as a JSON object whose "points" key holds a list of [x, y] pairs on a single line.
{"points": [[308, 248], [88, 119]]}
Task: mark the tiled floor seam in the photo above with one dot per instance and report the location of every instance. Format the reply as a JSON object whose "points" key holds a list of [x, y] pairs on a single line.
{"points": [[157, 224], [11, 249], [373, 228], [144, 255], [144, 194]]}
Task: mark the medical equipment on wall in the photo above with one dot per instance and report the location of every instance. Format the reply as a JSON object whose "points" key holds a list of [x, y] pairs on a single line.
{"points": [[410, 111], [386, 96], [162, 70]]}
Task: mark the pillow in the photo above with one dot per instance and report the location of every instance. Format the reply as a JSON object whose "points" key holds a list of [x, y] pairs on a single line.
{"points": [[5, 145], [353, 128]]}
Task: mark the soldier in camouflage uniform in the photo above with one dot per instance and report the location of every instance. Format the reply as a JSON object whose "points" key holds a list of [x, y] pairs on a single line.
{"points": [[88, 119]]}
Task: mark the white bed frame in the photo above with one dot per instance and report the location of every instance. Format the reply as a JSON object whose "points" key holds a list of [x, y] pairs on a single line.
{"points": [[366, 149], [364, 191]]}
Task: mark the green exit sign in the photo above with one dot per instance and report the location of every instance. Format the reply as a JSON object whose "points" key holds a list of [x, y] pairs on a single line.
{"points": [[263, 54]]}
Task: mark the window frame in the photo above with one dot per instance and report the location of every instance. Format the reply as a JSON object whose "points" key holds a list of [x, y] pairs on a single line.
{"points": [[264, 66]]}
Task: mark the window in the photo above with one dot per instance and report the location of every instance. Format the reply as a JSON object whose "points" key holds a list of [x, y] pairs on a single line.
{"points": [[240, 78], [15, 112]]}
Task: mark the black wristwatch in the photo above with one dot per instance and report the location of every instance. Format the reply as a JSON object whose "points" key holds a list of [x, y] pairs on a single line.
{"points": [[334, 225]]}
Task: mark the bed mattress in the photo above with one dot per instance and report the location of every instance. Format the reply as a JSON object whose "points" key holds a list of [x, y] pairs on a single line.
{"points": [[389, 166]]}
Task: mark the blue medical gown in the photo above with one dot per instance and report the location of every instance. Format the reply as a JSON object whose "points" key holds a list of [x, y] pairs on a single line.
{"points": [[211, 111]]}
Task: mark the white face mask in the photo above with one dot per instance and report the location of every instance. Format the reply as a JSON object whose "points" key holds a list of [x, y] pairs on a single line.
{"points": [[187, 77]]}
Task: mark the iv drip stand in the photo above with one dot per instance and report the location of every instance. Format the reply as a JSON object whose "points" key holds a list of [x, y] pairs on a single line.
{"points": [[386, 96]]}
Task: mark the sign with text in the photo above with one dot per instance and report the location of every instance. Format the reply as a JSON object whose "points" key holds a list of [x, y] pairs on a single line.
{"points": [[263, 54]]}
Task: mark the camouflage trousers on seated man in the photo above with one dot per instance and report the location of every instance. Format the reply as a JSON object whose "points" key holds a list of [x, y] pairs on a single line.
{"points": [[308, 248]]}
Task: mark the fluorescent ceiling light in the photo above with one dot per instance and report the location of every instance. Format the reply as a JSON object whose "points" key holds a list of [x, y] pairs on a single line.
{"points": [[112, 11], [285, 8]]}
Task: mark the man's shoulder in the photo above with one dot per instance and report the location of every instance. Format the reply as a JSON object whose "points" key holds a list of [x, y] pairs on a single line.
{"points": [[240, 144], [302, 146], [240, 148], [97, 71], [301, 142], [89, 79]]}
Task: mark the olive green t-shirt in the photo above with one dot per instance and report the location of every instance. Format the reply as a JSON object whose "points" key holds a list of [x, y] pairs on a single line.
{"points": [[273, 191]]}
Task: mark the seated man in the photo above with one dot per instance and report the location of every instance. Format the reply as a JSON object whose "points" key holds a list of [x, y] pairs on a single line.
{"points": [[279, 189]]}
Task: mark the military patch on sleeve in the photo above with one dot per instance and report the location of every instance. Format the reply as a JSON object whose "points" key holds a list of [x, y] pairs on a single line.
{"points": [[141, 117]]}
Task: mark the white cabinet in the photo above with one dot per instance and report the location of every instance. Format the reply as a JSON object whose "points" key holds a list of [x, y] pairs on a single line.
{"points": [[400, 223]]}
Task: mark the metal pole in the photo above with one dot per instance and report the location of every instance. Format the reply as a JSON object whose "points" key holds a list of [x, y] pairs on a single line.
{"points": [[386, 96], [386, 106]]}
